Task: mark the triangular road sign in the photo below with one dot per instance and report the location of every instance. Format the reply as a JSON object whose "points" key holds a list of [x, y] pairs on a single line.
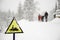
{"points": [[14, 27]]}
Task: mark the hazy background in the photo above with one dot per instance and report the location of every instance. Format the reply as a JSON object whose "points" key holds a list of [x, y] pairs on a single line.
{"points": [[42, 5], [25, 9]]}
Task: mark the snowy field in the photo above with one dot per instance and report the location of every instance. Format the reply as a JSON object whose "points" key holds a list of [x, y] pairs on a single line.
{"points": [[36, 30]]}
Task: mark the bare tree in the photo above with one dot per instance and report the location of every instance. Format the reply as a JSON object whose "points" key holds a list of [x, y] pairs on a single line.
{"points": [[29, 8], [19, 15]]}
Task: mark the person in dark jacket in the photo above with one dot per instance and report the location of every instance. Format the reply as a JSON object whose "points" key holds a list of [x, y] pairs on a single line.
{"points": [[46, 16]]}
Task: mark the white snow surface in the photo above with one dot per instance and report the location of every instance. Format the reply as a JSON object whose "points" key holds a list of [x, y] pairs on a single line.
{"points": [[56, 20], [35, 30]]}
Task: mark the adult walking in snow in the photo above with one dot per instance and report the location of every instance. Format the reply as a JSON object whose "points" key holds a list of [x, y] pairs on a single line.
{"points": [[46, 16], [42, 16], [39, 17]]}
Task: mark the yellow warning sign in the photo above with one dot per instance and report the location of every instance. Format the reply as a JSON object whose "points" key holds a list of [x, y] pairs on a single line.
{"points": [[14, 27]]}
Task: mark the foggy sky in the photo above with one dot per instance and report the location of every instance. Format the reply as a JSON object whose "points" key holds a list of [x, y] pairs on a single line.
{"points": [[42, 5]]}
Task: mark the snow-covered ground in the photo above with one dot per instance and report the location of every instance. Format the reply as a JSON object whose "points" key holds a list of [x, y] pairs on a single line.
{"points": [[36, 30]]}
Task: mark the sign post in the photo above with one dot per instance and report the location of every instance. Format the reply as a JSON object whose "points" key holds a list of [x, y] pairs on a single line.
{"points": [[13, 36], [13, 28]]}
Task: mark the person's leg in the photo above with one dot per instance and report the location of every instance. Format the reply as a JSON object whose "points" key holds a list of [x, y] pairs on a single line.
{"points": [[42, 18], [46, 18]]}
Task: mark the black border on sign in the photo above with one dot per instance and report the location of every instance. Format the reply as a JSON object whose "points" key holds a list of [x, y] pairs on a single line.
{"points": [[13, 32]]}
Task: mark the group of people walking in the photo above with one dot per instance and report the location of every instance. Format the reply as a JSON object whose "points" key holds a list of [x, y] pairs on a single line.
{"points": [[41, 18]]}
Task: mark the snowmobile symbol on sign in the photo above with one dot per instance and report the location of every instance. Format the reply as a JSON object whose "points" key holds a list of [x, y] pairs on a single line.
{"points": [[13, 29]]}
